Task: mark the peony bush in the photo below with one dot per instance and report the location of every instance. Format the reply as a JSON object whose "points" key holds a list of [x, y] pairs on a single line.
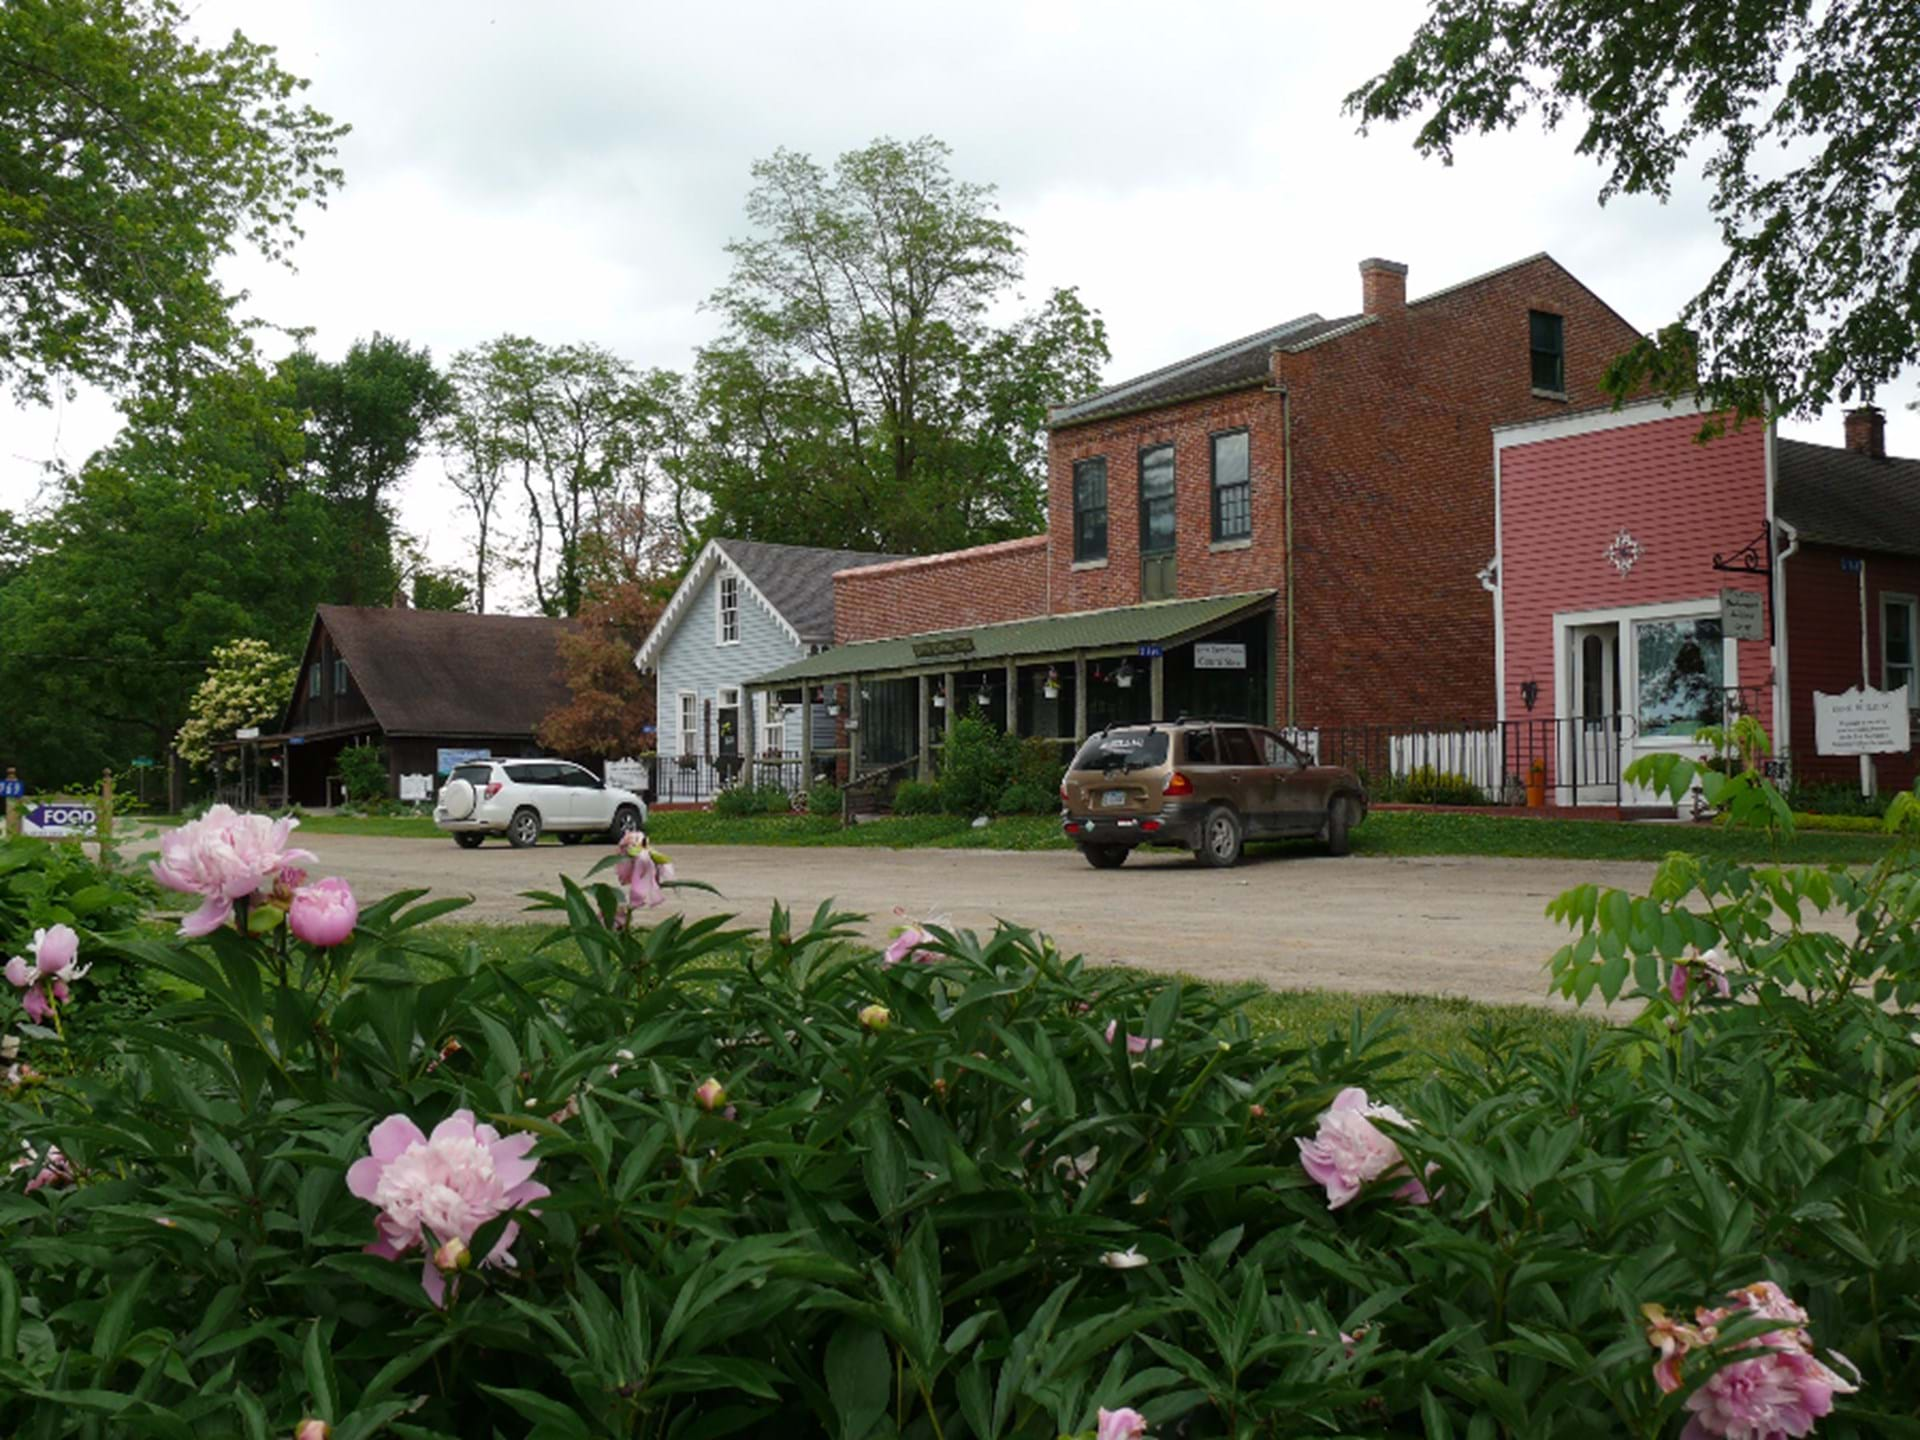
{"points": [[670, 1177]]}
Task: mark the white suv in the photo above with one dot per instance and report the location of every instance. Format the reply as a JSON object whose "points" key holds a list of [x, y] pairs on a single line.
{"points": [[521, 798]]}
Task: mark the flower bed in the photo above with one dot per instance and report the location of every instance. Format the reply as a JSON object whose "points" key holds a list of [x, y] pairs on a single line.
{"points": [[672, 1177]]}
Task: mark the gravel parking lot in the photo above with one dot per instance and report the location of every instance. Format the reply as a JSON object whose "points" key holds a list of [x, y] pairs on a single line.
{"points": [[1451, 926]]}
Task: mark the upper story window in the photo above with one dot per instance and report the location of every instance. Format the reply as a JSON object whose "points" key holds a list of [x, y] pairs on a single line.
{"points": [[1090, 509], [1547, 339], [313, 681], [1232, 487], [339, 677], [1156, 500], [729, 609], [1900, 645]]}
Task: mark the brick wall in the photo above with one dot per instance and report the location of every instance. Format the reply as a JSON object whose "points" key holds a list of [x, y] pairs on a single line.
{"points": [[1393, 493], [982, 586], [1823, 651]]}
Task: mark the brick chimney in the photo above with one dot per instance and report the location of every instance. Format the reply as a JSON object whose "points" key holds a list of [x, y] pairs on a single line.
{"points": [[1383, 286], [1867, 431]]}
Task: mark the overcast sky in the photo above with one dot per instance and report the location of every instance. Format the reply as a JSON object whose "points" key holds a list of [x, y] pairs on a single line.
{"points": [[571, 171]]}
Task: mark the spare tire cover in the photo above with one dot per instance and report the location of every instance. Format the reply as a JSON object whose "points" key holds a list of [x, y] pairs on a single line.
{"points": [[456, 798]]}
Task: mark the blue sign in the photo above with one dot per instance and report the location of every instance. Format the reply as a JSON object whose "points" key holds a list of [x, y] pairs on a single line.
{"points": [[450, 758], [296, 739], [12, 789], [1850, 564], [1151, 652]]}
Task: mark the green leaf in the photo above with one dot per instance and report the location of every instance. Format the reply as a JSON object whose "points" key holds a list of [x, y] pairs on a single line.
{"points": [[859, 1378]]}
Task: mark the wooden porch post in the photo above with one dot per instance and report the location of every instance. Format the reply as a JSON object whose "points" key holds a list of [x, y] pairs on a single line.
{"points": [[1013, 698], [953, 702], [806, 739], [854, 729], [1079, 697], [1157, 688], [924, 731]]}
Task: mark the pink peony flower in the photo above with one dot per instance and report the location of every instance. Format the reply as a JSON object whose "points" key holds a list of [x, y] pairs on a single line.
{"points": [[909, 943], [53, 1168], [643, 870], [44, 982], [1349, 1153], [323, 913], [442, 1187], [1703, 969], [224, 856], [1121, 1425], [1781, 1392], [1136, 1044]]}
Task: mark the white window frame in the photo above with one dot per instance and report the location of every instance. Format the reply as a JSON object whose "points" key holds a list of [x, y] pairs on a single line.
{"points": [[689, 721], [773, 727], [1888, 600], [726, 610]]}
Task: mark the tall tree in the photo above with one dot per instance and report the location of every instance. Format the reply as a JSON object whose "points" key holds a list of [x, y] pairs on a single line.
{"points": [[132, 161], [480, 442], [862, 395], [1808, 117]]}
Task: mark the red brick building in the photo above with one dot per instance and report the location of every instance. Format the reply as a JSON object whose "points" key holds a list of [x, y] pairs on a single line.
{"points": [[1311, 505], [1620, 535]]}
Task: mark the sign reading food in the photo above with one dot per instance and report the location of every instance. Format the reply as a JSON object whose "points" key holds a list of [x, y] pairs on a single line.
{"points": [[58, 819], [1862, 722]]}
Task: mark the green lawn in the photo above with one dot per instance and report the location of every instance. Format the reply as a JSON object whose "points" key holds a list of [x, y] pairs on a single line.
{"points": [[1386, 833], [1426, 1026]]}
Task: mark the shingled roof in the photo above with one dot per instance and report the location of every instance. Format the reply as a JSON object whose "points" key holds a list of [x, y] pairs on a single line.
{"points": [[797, 580], [1835, 496], [441, 672]]}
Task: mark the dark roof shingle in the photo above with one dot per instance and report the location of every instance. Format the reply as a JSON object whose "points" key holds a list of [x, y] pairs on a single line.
{"points": [[1836, 496], [798, 579], [443, 672]]}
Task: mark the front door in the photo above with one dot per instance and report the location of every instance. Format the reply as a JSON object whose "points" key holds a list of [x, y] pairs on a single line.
{"points": [[1592, 752], [1157, 535], [726, 753]]}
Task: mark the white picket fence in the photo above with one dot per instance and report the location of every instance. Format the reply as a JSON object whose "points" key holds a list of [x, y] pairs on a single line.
{"points": [[1477, 756]]}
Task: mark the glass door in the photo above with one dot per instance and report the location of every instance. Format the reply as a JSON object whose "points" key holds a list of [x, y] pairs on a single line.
{"points": [[1157, 579], [1594, 746]]}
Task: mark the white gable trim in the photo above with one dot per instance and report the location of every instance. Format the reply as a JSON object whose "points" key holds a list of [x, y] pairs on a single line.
{"points": [[710, 558]]}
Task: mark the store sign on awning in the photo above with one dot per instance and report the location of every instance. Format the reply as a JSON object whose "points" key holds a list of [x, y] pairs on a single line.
{"points": [[1862, 722], [1219, 657]]}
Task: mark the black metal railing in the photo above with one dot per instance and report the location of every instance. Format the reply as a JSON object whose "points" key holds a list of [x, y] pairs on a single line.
{"points": [[696, 779]]}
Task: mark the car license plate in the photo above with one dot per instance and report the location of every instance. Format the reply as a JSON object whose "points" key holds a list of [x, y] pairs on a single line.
{"points": [[1114, 797]]}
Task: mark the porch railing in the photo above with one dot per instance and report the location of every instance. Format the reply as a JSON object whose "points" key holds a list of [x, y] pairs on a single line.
{"points": [[696, 779], [1479, 762]]}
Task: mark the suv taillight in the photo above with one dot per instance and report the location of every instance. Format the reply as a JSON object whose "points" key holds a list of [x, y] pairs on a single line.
{"points": [[1063, 792], [1178, 784], [493, 789]]}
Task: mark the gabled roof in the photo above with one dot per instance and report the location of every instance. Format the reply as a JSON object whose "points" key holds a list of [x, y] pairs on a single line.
{"points": [[1834, 496], [792, 583], [1120, 628], [442, 672]]}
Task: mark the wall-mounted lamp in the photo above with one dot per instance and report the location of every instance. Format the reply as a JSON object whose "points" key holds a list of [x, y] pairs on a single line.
{"points": [[1529, 692]]}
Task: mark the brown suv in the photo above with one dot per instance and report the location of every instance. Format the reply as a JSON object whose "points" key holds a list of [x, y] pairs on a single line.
{"points": [[1205, 786]]}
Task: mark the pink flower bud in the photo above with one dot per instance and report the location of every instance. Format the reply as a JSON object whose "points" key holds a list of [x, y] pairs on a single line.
{"points": [[876, 1017], [1121, 1425], [711, 1094], [312, 1429], [452, 1256], [324, 913]]}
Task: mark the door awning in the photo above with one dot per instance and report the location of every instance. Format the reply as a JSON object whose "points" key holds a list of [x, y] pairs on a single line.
{"points": [[1046, 637]]}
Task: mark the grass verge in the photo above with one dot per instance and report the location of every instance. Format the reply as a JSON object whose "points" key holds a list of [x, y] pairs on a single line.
{"points": [[1386, 833]]}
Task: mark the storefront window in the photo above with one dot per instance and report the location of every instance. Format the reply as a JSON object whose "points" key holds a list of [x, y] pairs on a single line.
{"points": [[1681, 676]]}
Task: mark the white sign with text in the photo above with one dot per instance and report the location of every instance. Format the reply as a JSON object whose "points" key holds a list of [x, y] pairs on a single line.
{"points": [[627, 775], [1219, 657], [1862, 722], [1743, 615], [416, 787]]}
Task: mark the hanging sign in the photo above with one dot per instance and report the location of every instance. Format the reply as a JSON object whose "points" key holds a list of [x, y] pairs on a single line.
{"points": [[1861, 722], [1219, 657], [1151, 652], [626, 774], [1743, 615], [949, 645]]}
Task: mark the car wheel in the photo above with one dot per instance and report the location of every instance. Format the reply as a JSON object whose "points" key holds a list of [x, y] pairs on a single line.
{"points": [[468, 839], [626, 820], [1220, 839], [1339, 823], [1105, 857], [524, 829], [571, 837]]}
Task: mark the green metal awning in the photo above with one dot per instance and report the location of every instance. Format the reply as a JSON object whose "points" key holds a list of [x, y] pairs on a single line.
{"points": [[1160, 622]]}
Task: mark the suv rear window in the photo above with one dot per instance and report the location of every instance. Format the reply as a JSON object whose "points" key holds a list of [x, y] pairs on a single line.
{"points": [[477, 776], [1123, 750]]}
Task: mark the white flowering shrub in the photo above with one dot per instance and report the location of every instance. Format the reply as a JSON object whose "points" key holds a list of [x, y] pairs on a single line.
{"points": [[248, 683]]}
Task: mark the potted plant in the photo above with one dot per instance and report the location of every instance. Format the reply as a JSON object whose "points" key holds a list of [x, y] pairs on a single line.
{"points": [[940, 697], [1123, 677], [1051, 688]]}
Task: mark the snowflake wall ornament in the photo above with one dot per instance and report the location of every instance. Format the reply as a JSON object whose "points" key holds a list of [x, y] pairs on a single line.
{"points": [[1623, 553]]}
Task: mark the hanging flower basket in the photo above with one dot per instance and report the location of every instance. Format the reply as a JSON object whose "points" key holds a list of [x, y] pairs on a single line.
{"points": [[1051, 689], [1123, 677]]}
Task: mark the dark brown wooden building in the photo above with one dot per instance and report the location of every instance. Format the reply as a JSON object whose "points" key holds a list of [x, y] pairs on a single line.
{"points": [[419, 682]]}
